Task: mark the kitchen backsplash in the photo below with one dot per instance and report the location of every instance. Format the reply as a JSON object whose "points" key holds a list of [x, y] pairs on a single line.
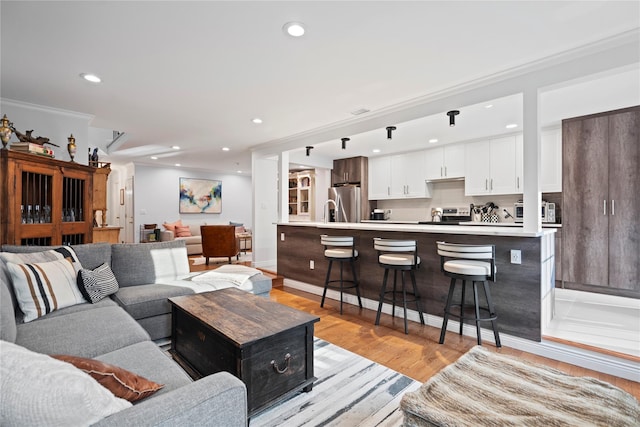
{"points": [[451, 194]]}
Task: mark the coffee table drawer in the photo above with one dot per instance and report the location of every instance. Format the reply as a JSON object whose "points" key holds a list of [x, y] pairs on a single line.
{"points": [[276, 370]]}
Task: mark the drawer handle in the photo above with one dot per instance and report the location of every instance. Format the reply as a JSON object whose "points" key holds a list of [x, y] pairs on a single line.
{"points": [[287, 361]]}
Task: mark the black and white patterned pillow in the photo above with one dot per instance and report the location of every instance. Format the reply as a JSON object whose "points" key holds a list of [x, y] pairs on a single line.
{"points": [[98, 283]]}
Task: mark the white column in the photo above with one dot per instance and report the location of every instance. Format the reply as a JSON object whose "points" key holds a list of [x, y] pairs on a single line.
{"points": [[531, 165], [283, 187], [264, 178]]}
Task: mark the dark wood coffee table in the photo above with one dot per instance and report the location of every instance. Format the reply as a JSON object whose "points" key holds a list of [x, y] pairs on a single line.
{"points": [[267, 345]]}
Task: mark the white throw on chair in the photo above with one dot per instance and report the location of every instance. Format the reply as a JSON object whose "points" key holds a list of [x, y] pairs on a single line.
{"points": [[340, 249], [469, 263], [399, 255]]}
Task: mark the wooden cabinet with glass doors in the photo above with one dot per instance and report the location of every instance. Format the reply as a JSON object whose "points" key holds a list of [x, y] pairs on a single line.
{"points": [[44, 201]]}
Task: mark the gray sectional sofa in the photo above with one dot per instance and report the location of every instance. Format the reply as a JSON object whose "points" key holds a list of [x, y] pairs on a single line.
{"points": [[120, 330]]}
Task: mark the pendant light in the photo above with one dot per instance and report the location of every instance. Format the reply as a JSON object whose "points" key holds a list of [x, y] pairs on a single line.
{"points": [[344, 142], [389, 130], [309, 148], [452, 117]]}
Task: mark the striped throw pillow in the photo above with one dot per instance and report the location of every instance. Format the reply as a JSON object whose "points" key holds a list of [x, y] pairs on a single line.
{"points": [[43, 287], [98, 283]]}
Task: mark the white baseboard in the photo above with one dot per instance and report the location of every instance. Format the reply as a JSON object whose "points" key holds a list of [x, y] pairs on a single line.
{"points": [[599, 362]]}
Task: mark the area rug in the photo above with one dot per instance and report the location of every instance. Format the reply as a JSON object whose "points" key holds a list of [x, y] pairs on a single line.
{"points": [[351, 391], [221, 260], [483, 388]]}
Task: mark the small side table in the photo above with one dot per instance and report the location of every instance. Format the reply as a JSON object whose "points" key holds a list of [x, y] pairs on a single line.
{"points": [[245, 242]]}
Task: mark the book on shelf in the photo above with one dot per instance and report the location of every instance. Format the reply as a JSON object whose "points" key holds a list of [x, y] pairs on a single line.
{"points": [[30, 147]]}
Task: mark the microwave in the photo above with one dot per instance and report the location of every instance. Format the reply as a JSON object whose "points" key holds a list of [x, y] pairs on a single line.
{"points": [[548, 212]]}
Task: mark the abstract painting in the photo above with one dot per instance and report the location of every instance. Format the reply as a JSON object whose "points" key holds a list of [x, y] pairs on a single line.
{"points": [[200, 196]]}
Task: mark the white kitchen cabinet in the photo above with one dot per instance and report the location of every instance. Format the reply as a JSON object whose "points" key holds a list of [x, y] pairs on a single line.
{"points": [[445, 162], [490, 167], [550, 162], [398, 177], [379, 178]]}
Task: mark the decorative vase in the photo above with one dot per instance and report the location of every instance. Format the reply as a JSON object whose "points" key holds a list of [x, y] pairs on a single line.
{"points": [[5, 132], [71, 147]]}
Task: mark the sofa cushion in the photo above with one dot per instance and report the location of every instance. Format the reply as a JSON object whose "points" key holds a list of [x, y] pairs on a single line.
{"points": [[98, 283], [183, 231], [147, 359], [191, 240], [43, 287], [39, 390], [86, 333], [8, 328], [148, 300], [140, 264], [171, 226], [122, 383]]}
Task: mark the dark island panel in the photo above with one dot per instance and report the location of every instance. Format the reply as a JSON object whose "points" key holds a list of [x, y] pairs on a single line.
{"points": [[516, 292]]}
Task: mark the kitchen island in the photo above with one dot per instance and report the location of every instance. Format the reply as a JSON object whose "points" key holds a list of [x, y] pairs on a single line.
{"points": [[522, 293]]}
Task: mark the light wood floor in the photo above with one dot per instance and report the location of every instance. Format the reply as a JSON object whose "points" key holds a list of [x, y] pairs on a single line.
{"points": [[417, 355]]}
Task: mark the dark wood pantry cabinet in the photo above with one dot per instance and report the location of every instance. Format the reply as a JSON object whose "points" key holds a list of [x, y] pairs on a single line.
{"points": [[601, 202]]}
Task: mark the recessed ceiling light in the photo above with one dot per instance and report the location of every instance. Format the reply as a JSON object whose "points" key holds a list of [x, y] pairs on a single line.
{"points": [[175, 147], [376, 150], [154, 157], [257, 120], [239, 171], [511, 126], [178, 164], [225, 148], [294, 29], [432, 140], [488, 106], [91, 77]]}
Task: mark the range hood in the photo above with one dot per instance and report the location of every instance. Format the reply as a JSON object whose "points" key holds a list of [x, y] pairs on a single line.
{"points": [[446, 179]]}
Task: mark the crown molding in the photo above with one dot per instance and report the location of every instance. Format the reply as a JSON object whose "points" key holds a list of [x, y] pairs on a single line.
{"points": [[44, 109]]}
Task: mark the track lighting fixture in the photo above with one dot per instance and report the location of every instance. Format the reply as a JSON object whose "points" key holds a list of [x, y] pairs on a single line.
{"points": [[344, 142], [389, 130], [452, 117], [309, 148]]}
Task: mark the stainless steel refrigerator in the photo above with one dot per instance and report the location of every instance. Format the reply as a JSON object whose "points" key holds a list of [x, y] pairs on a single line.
{"points": [[347, 204]]}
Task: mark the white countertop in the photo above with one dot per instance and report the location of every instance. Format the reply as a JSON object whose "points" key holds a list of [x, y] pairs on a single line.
{"points": [[413, 227], [508, 224]]}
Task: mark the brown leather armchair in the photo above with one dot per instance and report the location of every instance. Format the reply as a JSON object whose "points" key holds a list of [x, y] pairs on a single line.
{"points": [[219, 241]]}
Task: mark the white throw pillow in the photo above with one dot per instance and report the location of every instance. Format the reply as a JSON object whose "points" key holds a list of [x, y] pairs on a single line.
{"points": [[43, 287], [40, 390]]}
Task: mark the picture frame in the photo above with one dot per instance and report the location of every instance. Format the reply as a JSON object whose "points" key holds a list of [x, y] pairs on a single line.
{"points": [[200, 196]]}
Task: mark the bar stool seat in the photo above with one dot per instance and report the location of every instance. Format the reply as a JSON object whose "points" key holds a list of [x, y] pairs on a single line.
{"points": [[475, 264], [398, 255], [340, 249]]}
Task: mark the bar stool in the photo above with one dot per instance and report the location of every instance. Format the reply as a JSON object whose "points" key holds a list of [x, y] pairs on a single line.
{"points": [[469, 263], [341, 249], [398, 255]]}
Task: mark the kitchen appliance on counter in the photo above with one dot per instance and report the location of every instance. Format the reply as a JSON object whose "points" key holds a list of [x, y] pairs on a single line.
{"points": [[449, 216], [548, 211], [436, 214], [346, 206], [380, 214]]}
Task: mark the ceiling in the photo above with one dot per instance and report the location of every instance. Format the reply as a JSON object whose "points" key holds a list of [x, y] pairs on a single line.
{"points": [[195, 74]]}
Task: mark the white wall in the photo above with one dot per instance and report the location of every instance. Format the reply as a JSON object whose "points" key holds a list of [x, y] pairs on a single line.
{"points": [[265, 214], [52, 123], [156, 197]]}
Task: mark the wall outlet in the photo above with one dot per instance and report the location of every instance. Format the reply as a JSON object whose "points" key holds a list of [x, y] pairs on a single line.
{"points": [[312, 264], [282, 237], [516, 256]]}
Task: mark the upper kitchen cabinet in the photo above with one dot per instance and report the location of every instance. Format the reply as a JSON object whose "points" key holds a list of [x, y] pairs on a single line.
{"points": [[398, 177], [490, 167], [550, 162], [445, 162], [352, 170], [601, 177]]}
